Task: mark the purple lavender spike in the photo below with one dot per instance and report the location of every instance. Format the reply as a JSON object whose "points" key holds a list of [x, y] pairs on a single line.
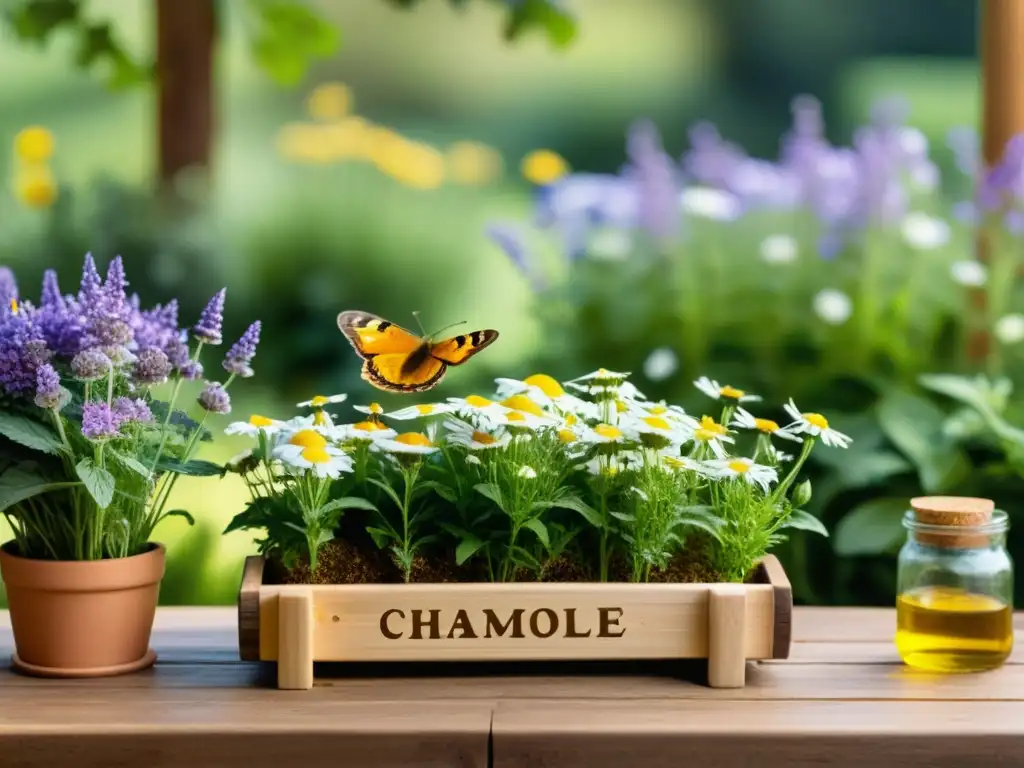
{"points": [[92, 285], [211, 321], [242, 352], [8, 289], [51, 295]]}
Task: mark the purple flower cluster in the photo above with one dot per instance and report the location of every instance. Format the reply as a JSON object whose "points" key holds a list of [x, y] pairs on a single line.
{"points": [[215, 398], [48, 390], [102, 330], [99, 422], [846, 188], [127, 409]]}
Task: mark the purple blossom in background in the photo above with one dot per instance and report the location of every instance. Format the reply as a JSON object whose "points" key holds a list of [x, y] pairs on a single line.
{"points": [[214, 398], [241, 354], [99, 422], [128, 409], [90, 365], [1005, 181], [151, 367], [656, 181], [574, 203], [963, 142], [211, 321], [48, 391]]}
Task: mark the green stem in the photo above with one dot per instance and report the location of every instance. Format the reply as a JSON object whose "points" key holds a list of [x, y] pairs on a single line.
{"points": [[788, 481]]}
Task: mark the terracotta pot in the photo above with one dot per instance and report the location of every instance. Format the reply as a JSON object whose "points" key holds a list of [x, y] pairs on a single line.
{"points": [[82, 618]]}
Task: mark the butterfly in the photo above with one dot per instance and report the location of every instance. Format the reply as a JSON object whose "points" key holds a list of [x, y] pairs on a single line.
{"points": [[397, 360]]}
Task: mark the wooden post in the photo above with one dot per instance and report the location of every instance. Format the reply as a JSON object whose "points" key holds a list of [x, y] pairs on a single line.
{"points": [[295, 638], [186, 32], [1002, 108], [727, 635]]}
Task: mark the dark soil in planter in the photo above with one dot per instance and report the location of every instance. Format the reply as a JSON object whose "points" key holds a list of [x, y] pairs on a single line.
{"points": [[343, 561]]}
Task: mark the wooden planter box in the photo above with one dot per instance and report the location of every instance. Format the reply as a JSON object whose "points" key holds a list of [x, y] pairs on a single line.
{"points": [[728, 624]]}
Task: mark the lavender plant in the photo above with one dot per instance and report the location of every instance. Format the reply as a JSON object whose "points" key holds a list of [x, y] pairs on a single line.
{"points": [[587, 480], [89, 454]]}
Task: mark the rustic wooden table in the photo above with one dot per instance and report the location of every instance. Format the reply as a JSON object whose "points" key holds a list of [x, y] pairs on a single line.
{"points": [[842, 699]]}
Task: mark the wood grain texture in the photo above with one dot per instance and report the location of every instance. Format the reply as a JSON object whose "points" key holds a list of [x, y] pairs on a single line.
{"points": [[776, 576], [249, 609], [842, 699], [726, 629], [469, 622], [295, 638]]}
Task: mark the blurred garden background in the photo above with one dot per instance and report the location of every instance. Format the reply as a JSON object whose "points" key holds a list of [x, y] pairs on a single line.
{"points": [[778, 194]]}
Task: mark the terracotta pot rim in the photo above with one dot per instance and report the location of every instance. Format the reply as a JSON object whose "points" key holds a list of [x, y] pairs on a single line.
{"points": [[82, 575]]}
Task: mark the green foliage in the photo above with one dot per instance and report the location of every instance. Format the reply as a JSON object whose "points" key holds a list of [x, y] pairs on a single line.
{"points": [[287, 36], [535, 479]]}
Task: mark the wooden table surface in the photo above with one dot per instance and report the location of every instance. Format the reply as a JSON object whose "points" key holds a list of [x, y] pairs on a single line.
{"points": [[842, 699]]}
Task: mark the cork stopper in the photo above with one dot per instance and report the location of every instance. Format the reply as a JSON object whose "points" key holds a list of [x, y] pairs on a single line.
{"points": [[955, 512]]}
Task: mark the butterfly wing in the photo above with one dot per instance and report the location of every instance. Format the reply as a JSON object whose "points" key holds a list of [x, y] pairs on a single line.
{"points": [[459, 349], [400, 372], [371, 335]]}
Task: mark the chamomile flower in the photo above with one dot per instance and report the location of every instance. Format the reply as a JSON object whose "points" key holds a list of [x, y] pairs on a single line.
{"points": [[604, 433], [602, 377], [468, 436], [321, 401], [420, 411], [677, 463], [527, 472], [817, 425], [609, 465], [539, 386], [254, 426], [478, 409], [756, 474], [307, 450], [373, 410], [655, 431], [747, 420], [710, 432], [714, 390], [525, 420], [521, 402], [412, 443], [363, 431]]}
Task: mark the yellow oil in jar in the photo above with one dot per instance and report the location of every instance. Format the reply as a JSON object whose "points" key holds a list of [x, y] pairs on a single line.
{"points": [[942, 629]]}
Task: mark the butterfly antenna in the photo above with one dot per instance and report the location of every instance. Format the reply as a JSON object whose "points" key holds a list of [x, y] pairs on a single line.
{"points": [[445, 328], [416, 314]]}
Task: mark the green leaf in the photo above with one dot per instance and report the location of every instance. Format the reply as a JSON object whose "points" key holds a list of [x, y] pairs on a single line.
{"points": [[960, 388], [468, 547], [347, 502], [192, 468], [625, 517], [588, 513], [538, 528], [543, 14], [915, 427], [873, 528], [491, 491], [445, 492], [805, 521], [380, 537], [289, 36], [97, 481], [387, 489], [181, 513], [29, 433], [131, 463], [18, 485]]}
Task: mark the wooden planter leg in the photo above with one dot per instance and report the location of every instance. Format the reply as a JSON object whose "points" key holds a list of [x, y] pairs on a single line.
{"points": [[295, 638], [727, 614]]}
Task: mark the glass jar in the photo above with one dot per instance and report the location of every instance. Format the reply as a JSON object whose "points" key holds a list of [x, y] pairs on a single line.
{"points": [[954, 604]]}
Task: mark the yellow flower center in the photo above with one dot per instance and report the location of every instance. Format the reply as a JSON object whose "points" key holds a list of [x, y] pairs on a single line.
{"points": [[414, 438], [675, 461], [657, 410], [608, 431], [320, 418], [425, 409], [620, 406], [732, 392], [817, 420], [543, 167], [368, 426], [523, 403], [657, 422], [570, 419], [14, 306], [308, 438], [545, 384], [709, 429], [766, 425], [516, 416], [739, 467], [603, 372], [34, 144], [316, 454], [319, 401], [484, 438], [260, 421], [375, 409], [475, 401], [567, 436]]}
